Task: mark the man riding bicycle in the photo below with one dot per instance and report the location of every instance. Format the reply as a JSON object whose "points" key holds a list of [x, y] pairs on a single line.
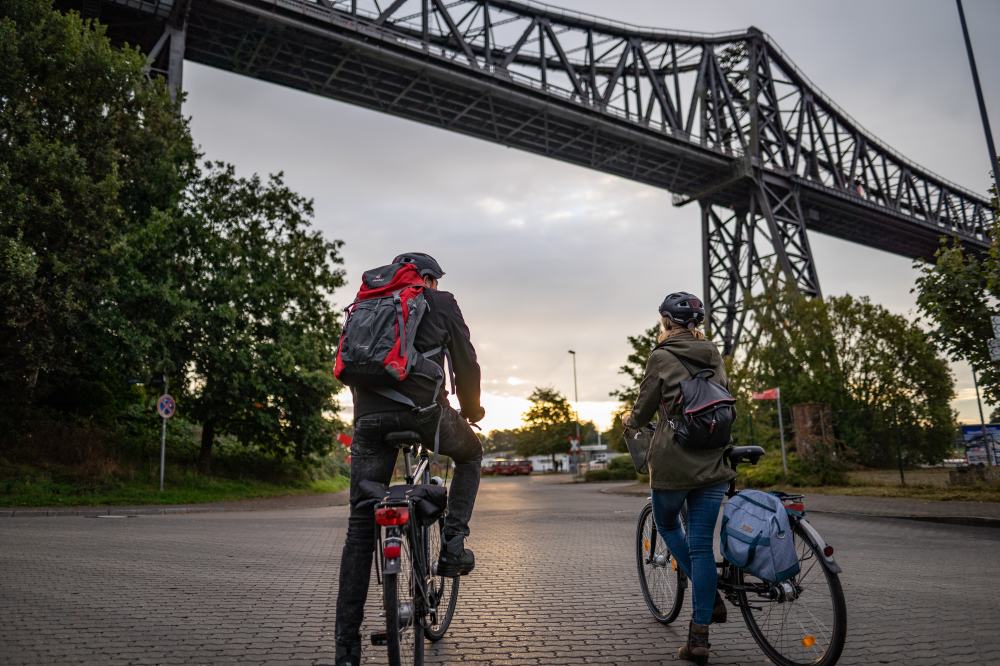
{"points": [[376, 415]]}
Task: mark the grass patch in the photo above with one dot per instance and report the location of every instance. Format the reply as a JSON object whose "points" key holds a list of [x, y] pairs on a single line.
{"points": [[937, 493], [34, 487]]}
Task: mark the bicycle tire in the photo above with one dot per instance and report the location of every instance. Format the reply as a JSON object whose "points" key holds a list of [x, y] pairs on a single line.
{"points": [[404, 637], [442, 590], [801, 646], [665, 597]]}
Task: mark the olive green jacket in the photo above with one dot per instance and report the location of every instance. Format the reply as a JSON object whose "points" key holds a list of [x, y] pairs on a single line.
{"points": [[671, 466]]}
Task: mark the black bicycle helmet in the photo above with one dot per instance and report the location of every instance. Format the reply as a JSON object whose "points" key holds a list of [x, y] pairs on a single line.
{"points": [[683, 308], [425, 263]]}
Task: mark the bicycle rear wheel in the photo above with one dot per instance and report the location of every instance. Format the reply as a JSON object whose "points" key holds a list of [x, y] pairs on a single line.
{"points": [[404, 635], [442, 591], [807, 623], [660, 578]]}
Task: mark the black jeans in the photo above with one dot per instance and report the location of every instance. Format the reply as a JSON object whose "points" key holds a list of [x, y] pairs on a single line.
{"points": [[372, 459]]}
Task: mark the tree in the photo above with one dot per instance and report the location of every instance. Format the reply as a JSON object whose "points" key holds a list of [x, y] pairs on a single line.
{"points": [[548, 423], [635, 364], [889, 390], [502, 440], [93, 158], [259, 342], [959, 292]]}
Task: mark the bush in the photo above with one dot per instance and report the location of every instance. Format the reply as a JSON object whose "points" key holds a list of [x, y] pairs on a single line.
{"points": [[823, 469], [621, 463], [619, 468]]}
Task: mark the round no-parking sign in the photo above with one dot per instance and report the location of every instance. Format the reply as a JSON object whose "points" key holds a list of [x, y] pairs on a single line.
{"points": [[166, 406]]}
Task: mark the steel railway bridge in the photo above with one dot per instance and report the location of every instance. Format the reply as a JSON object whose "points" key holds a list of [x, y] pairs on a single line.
{"points": [[724, 120]]}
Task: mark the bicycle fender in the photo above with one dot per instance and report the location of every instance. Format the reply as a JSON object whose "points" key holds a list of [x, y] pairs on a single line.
{"points": [[828, 561], [391, 566]]}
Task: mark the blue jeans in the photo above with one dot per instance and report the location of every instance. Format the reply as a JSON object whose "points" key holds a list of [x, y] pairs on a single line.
{"points": [[692, 551]]}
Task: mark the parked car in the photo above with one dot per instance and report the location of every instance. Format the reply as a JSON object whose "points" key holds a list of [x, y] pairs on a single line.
{"points": [[508, 467]]}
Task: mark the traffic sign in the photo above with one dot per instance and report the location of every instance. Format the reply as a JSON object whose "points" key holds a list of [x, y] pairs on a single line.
{"points": [[994, 346], [165, 406], [995, 320]]}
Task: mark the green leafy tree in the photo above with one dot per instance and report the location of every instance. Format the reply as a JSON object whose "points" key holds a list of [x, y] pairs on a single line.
{"points": [[958, 292], [635, 365], [880, 373], [260, 340], [93, 158], [634, 368], [502, 440], [548, 423]]}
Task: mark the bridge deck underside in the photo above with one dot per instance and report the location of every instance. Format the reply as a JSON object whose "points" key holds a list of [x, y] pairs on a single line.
{"points": [[339, 61]]}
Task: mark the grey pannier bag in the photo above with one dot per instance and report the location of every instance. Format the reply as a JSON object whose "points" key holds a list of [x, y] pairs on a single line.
{"points": [[757, 537]]}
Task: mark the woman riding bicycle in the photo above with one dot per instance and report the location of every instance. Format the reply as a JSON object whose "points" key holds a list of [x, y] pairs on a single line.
{"points": [[677, 475]]}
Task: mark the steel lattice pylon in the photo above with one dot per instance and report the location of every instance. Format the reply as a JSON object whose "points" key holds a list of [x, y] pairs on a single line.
{"points": [[725, 120], [742, 247]]}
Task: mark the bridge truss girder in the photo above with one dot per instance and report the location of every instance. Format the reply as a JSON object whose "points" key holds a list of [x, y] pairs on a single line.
{"points": [[726, 119]]}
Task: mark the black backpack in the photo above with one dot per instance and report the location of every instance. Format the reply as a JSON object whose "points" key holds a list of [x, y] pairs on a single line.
{"points": [[707, 410]]}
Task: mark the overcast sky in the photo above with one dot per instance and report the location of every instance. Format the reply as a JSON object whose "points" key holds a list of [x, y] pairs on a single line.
{"points": [[544, 256]]}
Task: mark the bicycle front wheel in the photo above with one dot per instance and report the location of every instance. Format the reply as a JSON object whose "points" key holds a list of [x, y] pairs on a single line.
{"points": [[442, 591], [803, 622], [404, 635], [660, 578]]}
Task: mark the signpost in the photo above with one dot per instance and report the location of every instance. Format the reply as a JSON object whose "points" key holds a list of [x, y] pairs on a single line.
{"points": [[166, 408], [775, 394]]}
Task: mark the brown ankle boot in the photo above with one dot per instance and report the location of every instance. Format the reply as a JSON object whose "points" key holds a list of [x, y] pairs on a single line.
{"points": [[719, 612], [696, 649]]}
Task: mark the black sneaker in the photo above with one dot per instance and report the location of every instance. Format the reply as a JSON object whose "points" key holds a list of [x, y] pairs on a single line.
{"points": [[455, 559], [348, 654]]}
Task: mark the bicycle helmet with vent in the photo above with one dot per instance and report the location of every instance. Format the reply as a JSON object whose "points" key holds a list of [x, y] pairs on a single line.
{"points": [[425, 263], [683, 308]]}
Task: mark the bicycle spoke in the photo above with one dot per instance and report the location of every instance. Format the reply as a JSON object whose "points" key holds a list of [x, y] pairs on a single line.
{"points": [[804, 622]]}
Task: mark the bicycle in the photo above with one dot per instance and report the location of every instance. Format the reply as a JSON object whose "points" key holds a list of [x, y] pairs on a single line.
{"points": [[799, 621], [418, 604]]}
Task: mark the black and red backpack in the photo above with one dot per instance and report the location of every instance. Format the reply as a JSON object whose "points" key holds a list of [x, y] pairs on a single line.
{"points": [[376, 347], [707, 410]]}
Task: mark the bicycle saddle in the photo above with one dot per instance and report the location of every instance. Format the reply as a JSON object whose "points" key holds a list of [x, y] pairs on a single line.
{"points": [[403, 438], [740, 453]]}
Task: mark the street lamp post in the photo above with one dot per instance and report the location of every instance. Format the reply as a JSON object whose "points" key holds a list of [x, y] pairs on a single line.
{"points": [[576, 397]]}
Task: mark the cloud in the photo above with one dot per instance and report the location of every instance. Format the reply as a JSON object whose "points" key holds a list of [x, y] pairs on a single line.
{"points": [[545, 256]]}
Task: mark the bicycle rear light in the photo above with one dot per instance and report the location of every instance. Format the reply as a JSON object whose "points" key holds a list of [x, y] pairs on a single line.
{"points": [[392, 515], [828, 551], [392, 549]]}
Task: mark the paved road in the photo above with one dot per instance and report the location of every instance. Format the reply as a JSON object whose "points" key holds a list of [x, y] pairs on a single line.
{"points": [[556, 585]]}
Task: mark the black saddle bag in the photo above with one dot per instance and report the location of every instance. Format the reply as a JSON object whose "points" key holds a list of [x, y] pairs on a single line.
{"points": [[429, 501]]}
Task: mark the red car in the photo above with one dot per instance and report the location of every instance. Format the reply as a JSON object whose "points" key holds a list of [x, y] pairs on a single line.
{"points": [[508, 467]]}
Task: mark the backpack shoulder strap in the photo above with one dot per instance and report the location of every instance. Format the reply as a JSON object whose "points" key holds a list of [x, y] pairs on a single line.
{"points": [[674, 354]]}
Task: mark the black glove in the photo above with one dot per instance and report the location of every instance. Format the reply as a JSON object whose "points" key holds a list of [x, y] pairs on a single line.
{"points": [[474, 416]]}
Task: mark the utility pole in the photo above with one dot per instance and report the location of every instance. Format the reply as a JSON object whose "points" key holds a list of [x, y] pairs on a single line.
{"points": [[987, 441], [979, 96]]}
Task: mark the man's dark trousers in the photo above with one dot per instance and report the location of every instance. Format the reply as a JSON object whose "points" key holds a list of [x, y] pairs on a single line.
{"points": [[372, 459]]}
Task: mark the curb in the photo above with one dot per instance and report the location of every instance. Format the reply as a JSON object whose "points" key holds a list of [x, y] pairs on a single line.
{"points": [[968, 521], [338, 499]]}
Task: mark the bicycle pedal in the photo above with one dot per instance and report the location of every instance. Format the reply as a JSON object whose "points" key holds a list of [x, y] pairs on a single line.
{"points": [[380, 638]]}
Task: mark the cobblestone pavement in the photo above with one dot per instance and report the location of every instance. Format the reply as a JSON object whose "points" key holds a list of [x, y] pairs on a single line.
{"points": [[555, 584]]}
